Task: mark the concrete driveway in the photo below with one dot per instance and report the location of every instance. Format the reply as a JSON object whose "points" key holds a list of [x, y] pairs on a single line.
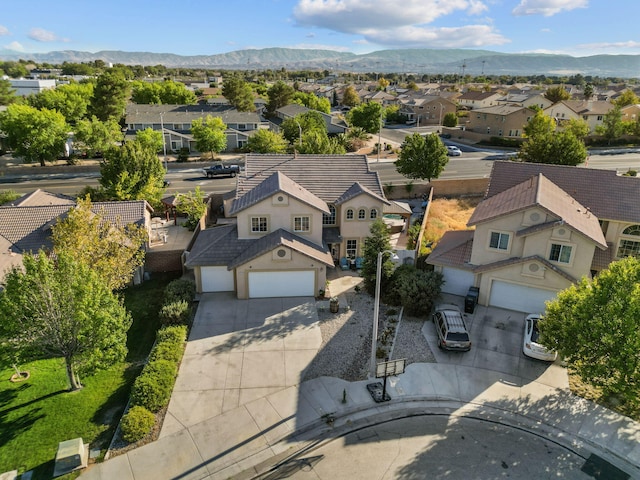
{"points": [[496, 337]]}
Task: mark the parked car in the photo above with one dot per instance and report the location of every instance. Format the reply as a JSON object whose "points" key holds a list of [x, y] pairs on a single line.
{"points": [[530, 346], [453, 151], [451, 328], [221, 171]]}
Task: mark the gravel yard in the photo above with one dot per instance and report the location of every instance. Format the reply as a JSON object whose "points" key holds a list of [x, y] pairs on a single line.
{"points": [[346, 340]]}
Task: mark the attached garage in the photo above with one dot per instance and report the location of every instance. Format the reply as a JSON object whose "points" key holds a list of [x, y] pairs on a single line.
{"points": [[456, 281], [300, 283], [520, 298], [217, 279]]}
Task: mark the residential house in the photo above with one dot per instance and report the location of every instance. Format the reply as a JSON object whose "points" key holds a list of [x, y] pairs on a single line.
{"points": [[473, 99], [426, 110], [26, 224], [525, 99], [630, 113], [539, 229], [30, 86], [176, 122], [295, 216], [499, 120], [591, 111], [334, 124], [383, 98]]}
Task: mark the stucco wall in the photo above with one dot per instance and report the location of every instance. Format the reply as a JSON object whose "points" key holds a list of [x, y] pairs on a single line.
{"points": [[357, 229]]}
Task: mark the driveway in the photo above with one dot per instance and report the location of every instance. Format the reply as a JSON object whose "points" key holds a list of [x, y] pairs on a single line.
{"points": [[496, 337]]}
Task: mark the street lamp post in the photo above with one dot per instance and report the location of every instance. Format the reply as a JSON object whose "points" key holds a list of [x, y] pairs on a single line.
{"points": [[379, 134], [376, 312], [164, 143], [299, 133]]}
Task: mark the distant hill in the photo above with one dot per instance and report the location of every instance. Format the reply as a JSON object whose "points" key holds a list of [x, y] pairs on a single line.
{"points": [[472, 62]]}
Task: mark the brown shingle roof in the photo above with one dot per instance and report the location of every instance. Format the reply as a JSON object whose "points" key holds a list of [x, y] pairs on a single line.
{"points": [[453, 249], [540, 191], [217, 246], [41, 197], [607, 195], [326, 176], [276, 183]]}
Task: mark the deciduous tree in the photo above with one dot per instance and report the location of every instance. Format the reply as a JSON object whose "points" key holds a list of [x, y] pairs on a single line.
{"points": [[422, 157], [209, 134], [151, 138], [71, 100], [367, 116], [93, 135], [350, 97], [280, 94], [557, 94], [35, 135], [303, 123], [7, 94], [110, 96], [594, 326], [612, 126], [267, 141], [377, 241], [238, 93], [192, 204], [63, 308]]}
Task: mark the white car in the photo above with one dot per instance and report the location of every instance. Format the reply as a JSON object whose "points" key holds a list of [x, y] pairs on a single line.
{"points": [[453, 151], [530, 346]]}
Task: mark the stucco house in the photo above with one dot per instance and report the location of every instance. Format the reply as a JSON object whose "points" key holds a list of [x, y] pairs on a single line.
{"points": [[539, 229], [591, 111], [334, 124], [176, 122], [499, 120], [426, 110], [473, 99], [295, 216]]}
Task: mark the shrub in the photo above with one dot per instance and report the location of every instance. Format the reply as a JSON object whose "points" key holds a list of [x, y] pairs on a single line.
{"points": [[172, 334], [183, 155], [152, 389], [175, 313], [137, 423], [450, 120], [169, 351], [179, 289], [416, 290]]}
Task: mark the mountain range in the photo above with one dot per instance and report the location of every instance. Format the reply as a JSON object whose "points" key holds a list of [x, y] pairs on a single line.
{"points": [[425, 61]]}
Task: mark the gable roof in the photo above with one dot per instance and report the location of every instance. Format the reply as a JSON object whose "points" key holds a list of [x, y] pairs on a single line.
{"points": [[276, 183], [355, 190], [41, 197], [453, 249], [327, 177], [588, 107], [541, 192], [502, 109], [608, 195]]}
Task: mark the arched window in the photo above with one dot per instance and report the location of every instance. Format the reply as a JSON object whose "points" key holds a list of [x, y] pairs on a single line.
{"points": [[373, 214], [330, 218], [362, 214], [629, 247], [349, 213]]}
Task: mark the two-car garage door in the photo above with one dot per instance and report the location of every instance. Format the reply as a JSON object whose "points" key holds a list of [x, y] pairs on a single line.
{"points": [[520, 298], [282, 284]]}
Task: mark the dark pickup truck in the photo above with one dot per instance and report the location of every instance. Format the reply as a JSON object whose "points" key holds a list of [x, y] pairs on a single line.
{"points": [[221, 170]]}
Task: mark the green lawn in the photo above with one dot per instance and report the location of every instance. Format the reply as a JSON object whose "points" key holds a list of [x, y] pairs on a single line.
{"points": [[38, 413]]}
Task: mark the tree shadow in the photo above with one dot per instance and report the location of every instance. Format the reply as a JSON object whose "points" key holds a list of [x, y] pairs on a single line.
{"points": [[12, 428]]}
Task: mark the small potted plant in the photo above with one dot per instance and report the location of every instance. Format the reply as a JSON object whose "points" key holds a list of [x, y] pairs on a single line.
{"points": [[334, 305]]}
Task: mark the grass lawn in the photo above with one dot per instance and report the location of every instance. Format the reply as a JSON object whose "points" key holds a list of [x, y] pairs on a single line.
{"points": [[38, 413]]}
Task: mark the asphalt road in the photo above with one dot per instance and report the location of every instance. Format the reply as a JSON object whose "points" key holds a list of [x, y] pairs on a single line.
{"points": [[443, 447]]}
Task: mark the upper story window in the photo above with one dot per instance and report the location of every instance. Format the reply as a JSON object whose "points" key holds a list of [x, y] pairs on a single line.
{"points": [[259, 224], [373, 214], [301, 224], [362, 214], [629, 247], [499, 241], [349, 213], [560, 253], [330, 218]]}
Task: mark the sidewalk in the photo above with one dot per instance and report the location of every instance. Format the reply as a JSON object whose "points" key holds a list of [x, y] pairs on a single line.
{"points": [[238, 406]]}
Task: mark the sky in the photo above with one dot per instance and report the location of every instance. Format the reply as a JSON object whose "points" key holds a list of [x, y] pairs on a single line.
{"points": [[208, 27]]}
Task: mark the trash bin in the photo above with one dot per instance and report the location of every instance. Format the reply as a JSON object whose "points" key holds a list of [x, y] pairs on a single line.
{"points": [[471, 299]]}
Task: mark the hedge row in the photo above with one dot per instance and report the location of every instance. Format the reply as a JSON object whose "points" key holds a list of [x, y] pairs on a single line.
{"points": [[178, 296]]}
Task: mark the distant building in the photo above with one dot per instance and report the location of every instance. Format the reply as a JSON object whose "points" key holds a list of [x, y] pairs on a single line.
{"points": [[27, 86]]}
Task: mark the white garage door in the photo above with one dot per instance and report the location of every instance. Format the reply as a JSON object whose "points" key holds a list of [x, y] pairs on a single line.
{"points": [[282, 284], [456, 281], [519, 297], [217, 279]]}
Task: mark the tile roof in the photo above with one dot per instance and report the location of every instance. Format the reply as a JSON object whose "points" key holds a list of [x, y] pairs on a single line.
{"points": [[588, 107], [181, 114], [540, 191], [500, 109], [275, 183], [453, 250], [326, 176], [608, 195], [520, 260], [41, 197], [355, 190]]}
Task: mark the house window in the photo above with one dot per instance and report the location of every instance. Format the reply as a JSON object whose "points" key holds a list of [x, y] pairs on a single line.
{"points": [[349, 213], [352, 248], [600, 117], [301, 224], [362, 214], [560, 253], [330, 218], [373, 214], [499, 241], [259, 224], [630, 247], [242, 126]]}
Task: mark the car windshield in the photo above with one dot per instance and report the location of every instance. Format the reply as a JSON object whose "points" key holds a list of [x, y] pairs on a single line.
{"points": [[535, 333], [457, 337]]}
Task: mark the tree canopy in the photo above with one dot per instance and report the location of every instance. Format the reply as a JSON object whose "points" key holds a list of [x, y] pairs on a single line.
{"points": [[267, 141], [377, 241], [239, 93], [307, 122], [71, 100], [612, 126], [63, 308], [350, 97], [33, 134], [594, 326], [544, 145], [310, 100], [557, 94], [7, 94], [367, 116], [132, 172], [209, 134], [166, 92], [94, 136], [280, 94], [422, 157], [151, 138], [110, 95]]}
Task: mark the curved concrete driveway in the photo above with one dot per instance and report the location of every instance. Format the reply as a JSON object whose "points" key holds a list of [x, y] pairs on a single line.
{"points": [[238, 406]]}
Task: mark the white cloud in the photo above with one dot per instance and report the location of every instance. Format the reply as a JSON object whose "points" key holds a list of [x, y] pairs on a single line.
{"points": [[629, 47], [4, 31], [384, 22], [312, 46], [17, 46], [547, 8], [42, 35]]}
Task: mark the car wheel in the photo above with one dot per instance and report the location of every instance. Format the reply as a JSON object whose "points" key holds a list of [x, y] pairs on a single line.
{"points": [[233, 174]]}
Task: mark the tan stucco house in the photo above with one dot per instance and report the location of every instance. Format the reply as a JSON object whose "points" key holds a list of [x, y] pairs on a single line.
{"points": [[591, 111], [295, 216], [499, 120], [427, 110], [539, 229]]}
